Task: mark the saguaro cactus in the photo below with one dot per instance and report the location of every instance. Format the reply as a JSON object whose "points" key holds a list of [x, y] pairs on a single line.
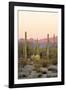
{"points": [[25, 45], [37, 47], [47, 46], [54, 42]]}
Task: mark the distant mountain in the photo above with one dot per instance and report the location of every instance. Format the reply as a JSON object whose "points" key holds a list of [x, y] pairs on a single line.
{"points": [[42, 42]]}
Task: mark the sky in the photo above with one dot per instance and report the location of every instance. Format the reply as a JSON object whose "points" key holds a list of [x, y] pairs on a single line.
{"points": [[37, 24]]}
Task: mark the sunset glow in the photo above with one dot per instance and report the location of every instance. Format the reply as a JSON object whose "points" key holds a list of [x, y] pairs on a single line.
{"points": [[37, 24]]}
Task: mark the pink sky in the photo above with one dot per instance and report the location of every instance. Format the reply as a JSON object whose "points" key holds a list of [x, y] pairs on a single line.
{"points": [[37, 24]]}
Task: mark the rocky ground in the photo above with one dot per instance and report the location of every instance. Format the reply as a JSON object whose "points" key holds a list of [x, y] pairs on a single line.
{"points": [[28, 71]]}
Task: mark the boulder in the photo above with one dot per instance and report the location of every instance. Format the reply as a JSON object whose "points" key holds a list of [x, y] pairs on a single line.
{"points": [[43, 70], [52, 68], [51, 74], [33, 74], [44, 75]]}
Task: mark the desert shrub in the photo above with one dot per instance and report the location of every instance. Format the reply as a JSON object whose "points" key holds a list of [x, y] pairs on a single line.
{"points": [[28, 61], [45, 63], [37, 58], [37, 62], [32, 57], [37, 67], [24, 62], [54, 61]]}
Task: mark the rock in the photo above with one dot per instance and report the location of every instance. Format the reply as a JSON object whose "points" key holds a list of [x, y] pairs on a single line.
{"points": [[52, 68], [50, 74], [43, 70], [28, 68], [25, 71], [39, 75], [21, 75], [44, 75], [33, 74]]}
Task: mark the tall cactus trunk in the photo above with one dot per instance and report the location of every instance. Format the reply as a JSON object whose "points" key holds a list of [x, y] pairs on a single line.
{"points": [[25, 45], [37, 45], [54, 40], [47, 46]]}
